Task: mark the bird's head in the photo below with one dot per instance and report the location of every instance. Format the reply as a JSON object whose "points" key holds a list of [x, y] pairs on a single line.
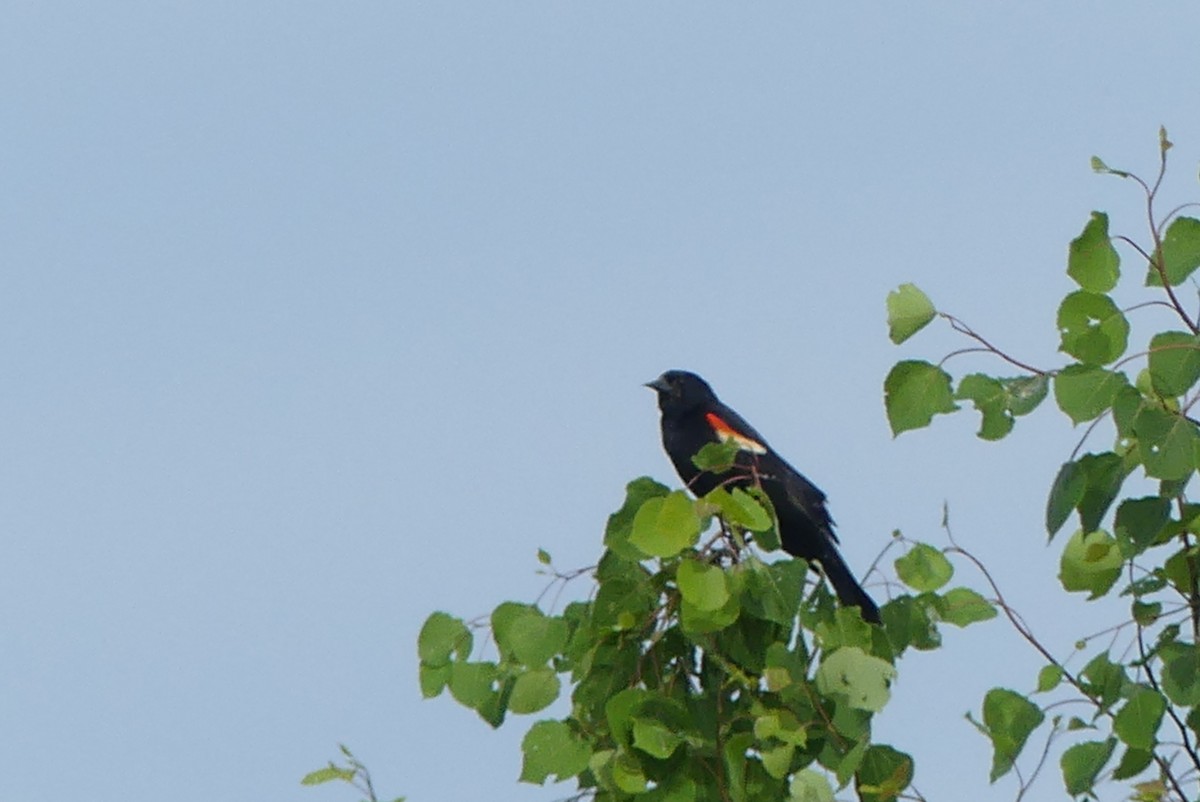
{"points": [[680, 391]]}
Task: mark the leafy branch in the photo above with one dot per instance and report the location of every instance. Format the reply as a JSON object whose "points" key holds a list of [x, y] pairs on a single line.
{"points": [[697, 669], [353, 773], [1157, 678]]}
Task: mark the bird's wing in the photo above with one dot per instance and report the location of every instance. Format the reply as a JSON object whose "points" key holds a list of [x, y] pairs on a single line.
{"points": [[728, 425], [805, 497], [802, 495]]}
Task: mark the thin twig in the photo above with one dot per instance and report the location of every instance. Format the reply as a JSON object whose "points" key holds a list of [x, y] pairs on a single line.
{"points": [[963, 328], [1054, 732], [1179, 724], [1023, 629]]}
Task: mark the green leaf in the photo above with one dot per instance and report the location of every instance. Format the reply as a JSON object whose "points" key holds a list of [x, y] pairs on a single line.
{"points": [[864, 680], [1026, 392], [534, 690], [844, 627], [627, 774], [600, 764], [884, 774], [473, 685], [1133, 763], [620, 523], [909, 310], [440, 636], [655, 738], [535, 638], [1090, 562], [781, 725], [328, 774], [991, 400], [1092, 260], [1180, 570], [678, 788], [1152, 583], [1085, 392], [1049, 678], [1009, 718], [696, 620], [1146, 613], [773, 592], [924, 568], [717, 457], [619, 710], [735, 761], [1174, 362], [1082, 763], [1167, 443], [1090, 485], [910, 623], [777, 760], [1105, 474], [1065, 494], [1181, 673], [1100, 167], [623, 600], [1138, 522], [850, 762], [807, 785], [1092, 327], [552, 748], [963, 606], [1136, 723], [740, 509], [663, 527], [914, 392], [502, 619], [433, 679], [702, 585], [1104, 679], [543, 557], [1180, 252], [1125, 407], [768, 537]]}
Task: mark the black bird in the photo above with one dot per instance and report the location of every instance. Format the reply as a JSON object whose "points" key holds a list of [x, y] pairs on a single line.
{"points": [[693, 416]]}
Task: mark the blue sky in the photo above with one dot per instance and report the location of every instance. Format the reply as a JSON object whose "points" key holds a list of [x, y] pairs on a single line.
{"points": [[317, 318]]}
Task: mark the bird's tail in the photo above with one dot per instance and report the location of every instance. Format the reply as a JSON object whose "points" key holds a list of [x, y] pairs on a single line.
{"points": [[849, 592]]}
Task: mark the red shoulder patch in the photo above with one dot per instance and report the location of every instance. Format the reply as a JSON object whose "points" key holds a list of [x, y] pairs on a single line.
{"points": [[727, 433]]}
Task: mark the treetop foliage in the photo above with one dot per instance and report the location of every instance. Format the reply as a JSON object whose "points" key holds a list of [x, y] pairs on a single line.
{"points": [[699, 669], [1141, 691]]}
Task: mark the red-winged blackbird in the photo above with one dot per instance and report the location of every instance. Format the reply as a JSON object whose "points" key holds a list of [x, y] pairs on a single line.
{"points": [[693, 416]]}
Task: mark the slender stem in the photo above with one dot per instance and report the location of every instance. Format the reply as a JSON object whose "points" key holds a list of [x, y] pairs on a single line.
{"points": [[1019, 624], [1087, 433], [1179, 724], [1144, 304], [1023, 629], [963, 328], [1136, 247], [1174, 212], [1054, 731], [1157, 262], [960, 351], [1155, 350], [1193, 580]]}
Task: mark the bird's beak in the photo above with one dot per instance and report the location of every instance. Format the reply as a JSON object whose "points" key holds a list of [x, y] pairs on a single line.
{"points": [[658, 385]]}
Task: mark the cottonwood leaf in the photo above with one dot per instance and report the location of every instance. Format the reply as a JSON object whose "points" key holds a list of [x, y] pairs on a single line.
{"points": [[909, 311]]}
